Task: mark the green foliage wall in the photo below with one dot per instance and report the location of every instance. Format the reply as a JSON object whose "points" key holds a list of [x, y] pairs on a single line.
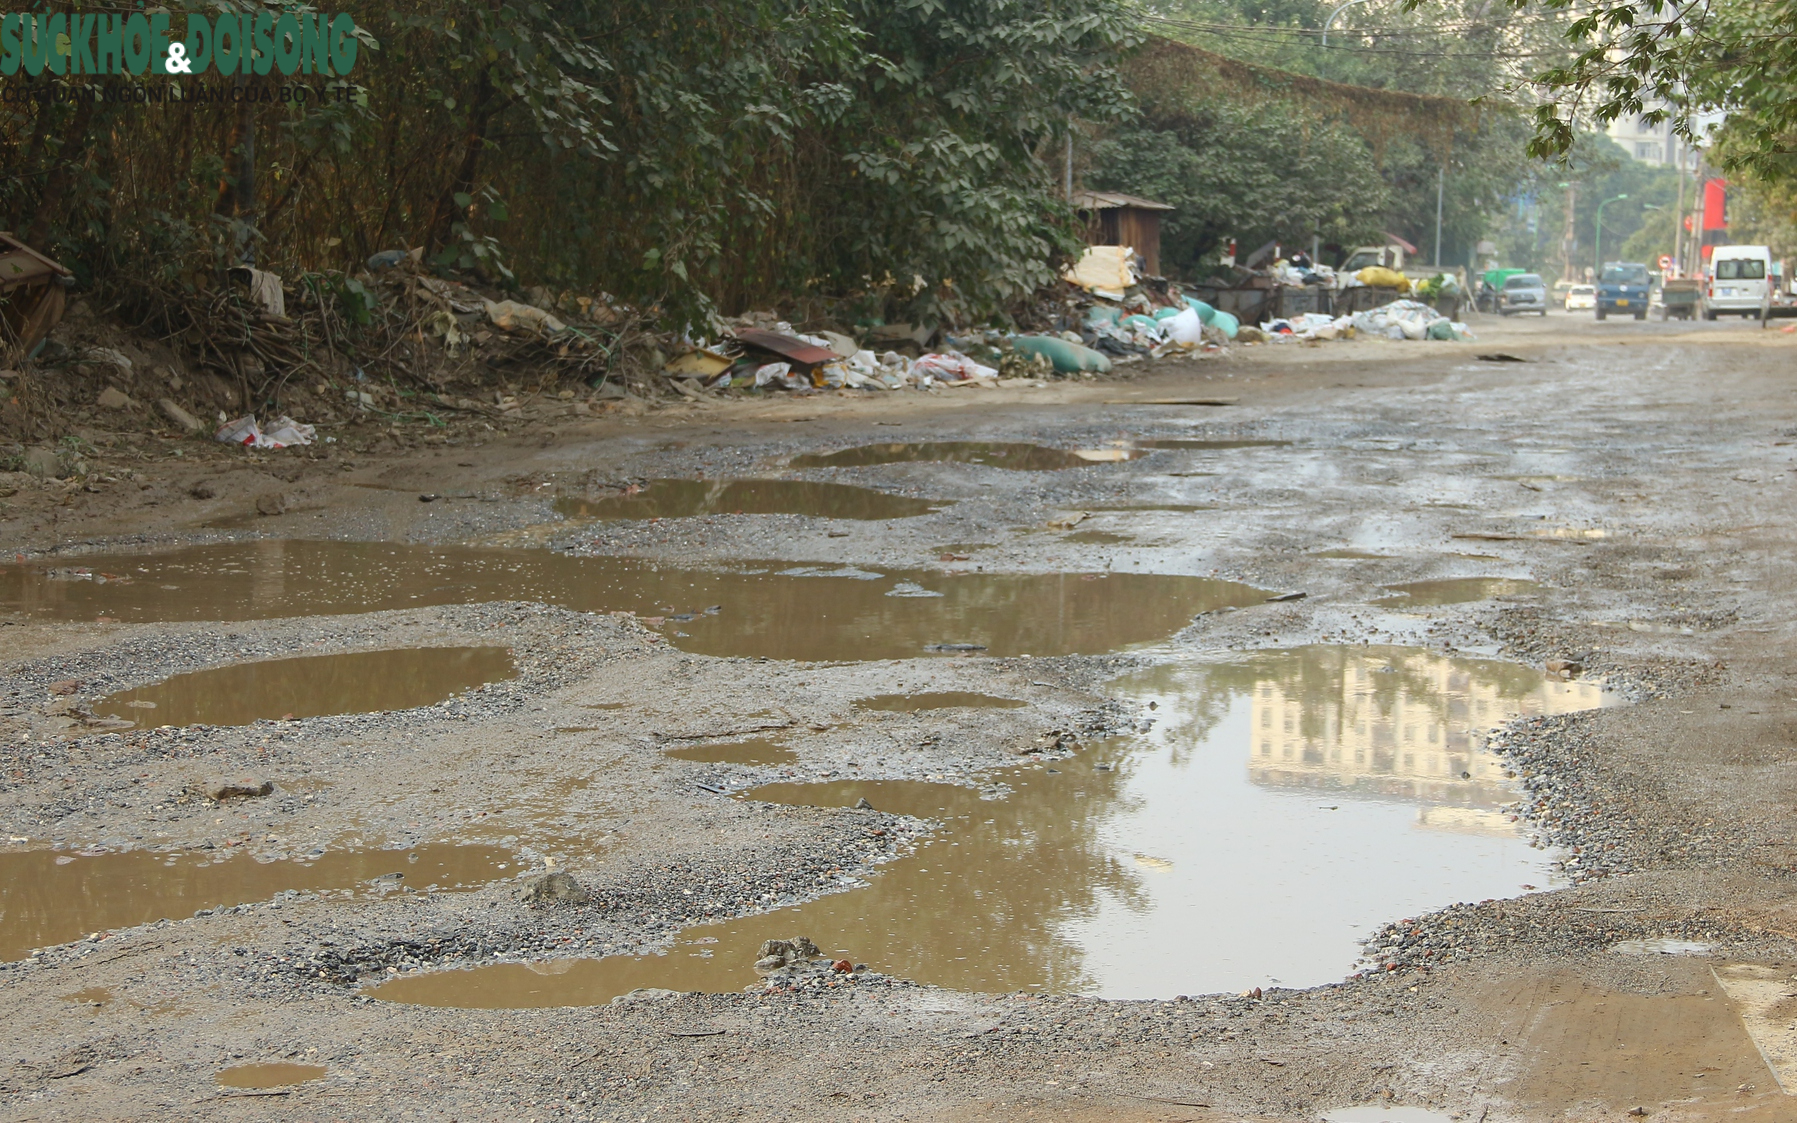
{"points": [[683, 155]]}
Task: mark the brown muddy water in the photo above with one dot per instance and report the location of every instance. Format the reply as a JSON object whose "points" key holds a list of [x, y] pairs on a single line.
{"points": [[276, 1075], [53, 896], [1454, 590], [1280, 809], [939, 700], [311, 686], [753, 751], [993, 454], [773, 609], [678, 499]]}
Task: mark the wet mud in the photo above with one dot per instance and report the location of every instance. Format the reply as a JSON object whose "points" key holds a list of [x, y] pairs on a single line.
{"points": [[939, 700], [1454, 590]]}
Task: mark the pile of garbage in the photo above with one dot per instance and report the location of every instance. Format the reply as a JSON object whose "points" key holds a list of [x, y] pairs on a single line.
{"points": [[1298, 269], [780, 358], [1110, 317], [1130, 317], [1400, 320], [1409, 319]]}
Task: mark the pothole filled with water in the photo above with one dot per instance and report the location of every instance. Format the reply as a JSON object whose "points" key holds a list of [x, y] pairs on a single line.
{"points": [[753, 751], [275, 1075], [994, 454], [1454, 590], [677, 499], [779, 610], [54, 896], [939, 700], [1278, 811], [311, 686]]}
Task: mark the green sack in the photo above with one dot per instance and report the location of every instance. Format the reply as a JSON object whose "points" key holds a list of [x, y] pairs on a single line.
{"points": [[1067, 357]]}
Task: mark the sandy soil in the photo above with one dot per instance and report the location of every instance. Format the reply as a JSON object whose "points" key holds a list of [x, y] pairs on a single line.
{"points": [[1641, 473]]}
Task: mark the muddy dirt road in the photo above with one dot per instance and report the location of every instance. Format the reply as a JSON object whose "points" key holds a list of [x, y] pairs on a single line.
{"points": [[1412, 738]]}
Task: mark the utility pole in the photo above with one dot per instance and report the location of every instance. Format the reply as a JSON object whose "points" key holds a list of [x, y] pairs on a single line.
{"points": [[1697, 218], [1441, 178], [1597, 246], [1678, 215], [1569, 236]]}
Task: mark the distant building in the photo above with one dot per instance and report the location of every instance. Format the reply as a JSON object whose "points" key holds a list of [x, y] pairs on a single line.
{"points": [[1647, 143]]}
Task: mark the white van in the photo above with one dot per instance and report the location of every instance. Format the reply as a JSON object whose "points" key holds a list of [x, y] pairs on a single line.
{"points": [[1738, 280]]}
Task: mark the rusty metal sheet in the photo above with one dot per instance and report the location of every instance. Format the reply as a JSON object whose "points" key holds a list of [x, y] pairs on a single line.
{"points": [[787, 347]]}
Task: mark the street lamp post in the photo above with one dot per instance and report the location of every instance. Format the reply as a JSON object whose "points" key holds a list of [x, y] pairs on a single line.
{"points": [[1338, 11], [1597, 248]]}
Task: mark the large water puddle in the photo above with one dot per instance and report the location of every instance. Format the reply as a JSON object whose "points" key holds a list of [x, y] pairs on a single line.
{"points": [[782, 611], [54, 896], [274, 1075], [1280, 809], [993, 454], [679, 499], [1454, 590], [312, 686]]}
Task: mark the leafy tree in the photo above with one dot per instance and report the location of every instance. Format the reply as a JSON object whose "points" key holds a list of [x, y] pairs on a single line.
{"points": [[1256, 174], [682, 156]]}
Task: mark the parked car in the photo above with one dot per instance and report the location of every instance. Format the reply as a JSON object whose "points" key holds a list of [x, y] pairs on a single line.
{"points": [[1623, 287], [1562, 290], [1525, 292], [1581, 298], [1739, 276]]}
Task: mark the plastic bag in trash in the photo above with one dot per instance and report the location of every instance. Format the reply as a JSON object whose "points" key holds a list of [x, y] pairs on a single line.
{"points": [[282, 432], [951, 366], [1186, 327], [1378, 276], [778, 375]]}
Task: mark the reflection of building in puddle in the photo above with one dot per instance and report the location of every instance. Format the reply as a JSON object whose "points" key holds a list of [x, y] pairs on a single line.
{"points": [[1464, 820], [1398, 724]]}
